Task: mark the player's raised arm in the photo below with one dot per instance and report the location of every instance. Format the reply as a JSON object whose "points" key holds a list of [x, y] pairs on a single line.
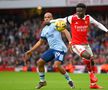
{"points": [[66, 19], [98, 24]]}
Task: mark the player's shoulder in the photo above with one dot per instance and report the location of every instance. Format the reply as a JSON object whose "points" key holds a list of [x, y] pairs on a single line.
{"points": [[88, 15], [44, 29], [74, 15], [52, 25]]}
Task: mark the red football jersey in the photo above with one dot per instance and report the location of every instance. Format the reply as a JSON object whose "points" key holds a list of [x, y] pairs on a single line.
{"points": [[79, 29]]}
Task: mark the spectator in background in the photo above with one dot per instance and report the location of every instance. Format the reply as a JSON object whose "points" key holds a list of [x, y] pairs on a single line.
{"points": [[10, 31]]}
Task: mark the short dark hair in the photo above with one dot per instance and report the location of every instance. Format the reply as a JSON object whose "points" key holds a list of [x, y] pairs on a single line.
{"points": [[81, 5]]}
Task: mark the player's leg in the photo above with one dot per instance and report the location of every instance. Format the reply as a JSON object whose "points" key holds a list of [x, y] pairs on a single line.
{"points": [[90, 66], [91, 70], [59, 59], [85, 52], [57, 64], [47, 56], [41, 71]]}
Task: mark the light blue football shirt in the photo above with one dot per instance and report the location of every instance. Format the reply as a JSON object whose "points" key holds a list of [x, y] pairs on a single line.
{"points": [[53, 37]]}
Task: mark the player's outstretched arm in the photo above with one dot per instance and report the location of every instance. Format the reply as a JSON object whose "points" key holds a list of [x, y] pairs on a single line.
{"points": [[38, 44], [98, 24]]}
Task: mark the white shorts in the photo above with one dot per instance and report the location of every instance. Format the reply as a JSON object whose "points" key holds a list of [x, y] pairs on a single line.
{"points": [[79, 49]]}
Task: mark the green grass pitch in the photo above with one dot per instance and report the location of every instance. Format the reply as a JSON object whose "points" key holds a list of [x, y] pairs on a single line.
{"points": [[55, 81]]}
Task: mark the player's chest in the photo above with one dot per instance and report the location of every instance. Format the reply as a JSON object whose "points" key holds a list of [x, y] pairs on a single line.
{"points": [[51, 33], [80, 25], [80, 22]]}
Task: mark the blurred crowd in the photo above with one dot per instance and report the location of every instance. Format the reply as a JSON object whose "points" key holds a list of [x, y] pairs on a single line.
{"points": [[17, 36]]}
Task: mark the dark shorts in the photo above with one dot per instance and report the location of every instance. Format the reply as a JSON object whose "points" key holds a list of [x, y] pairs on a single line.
{"points": [[53, 54]]}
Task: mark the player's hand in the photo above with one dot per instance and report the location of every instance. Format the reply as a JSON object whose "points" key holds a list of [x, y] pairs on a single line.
{"points": [[28, 54], [70, 47]]}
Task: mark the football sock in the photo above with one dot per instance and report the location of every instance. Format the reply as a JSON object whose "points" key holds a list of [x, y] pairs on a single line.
{"points": [[42, 76], [86, 62], [91, 70], [67, 77], [91, 74], [90, 65]]}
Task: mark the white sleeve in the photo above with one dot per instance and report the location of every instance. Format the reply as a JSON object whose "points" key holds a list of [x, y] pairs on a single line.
{"points": [[99, 25], [69, 19]]}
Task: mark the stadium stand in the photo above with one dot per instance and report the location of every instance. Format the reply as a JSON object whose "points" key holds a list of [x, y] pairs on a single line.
{"points": [[20, 29]]}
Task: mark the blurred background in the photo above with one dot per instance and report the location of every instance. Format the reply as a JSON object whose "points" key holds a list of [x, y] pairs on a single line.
{"points": [[20, 27]]}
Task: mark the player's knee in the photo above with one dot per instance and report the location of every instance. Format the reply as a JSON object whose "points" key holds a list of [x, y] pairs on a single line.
{"points": [[86, 55], [55, 66], [40, 62]]}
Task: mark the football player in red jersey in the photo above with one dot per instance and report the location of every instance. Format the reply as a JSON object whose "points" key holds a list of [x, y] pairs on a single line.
{"points": [[80, 23]]}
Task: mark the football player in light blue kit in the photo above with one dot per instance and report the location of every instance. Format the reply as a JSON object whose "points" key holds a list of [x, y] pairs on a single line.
{"points": [[57, 50]]}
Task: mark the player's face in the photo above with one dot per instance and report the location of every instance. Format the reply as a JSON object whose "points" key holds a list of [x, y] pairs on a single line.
{"points": [[48, 17], [80, 12]]}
